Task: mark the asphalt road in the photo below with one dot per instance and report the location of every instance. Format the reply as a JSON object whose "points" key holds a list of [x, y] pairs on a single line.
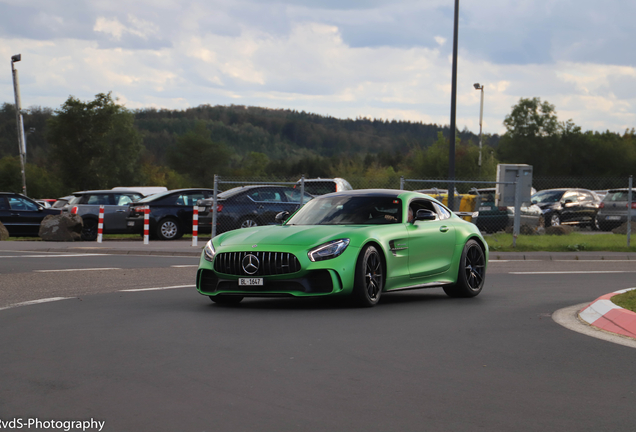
{"points": [[170, 360]]}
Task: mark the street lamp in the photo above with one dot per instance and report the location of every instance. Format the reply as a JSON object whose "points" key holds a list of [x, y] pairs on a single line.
{"points": [[19, 120], [481, 118]]}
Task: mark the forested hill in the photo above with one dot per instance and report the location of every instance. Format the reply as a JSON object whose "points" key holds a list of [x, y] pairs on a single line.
{"points": [[283, 134]]}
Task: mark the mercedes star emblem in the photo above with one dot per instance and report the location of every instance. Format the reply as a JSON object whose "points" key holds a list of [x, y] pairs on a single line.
{"points": [[250, 264]]}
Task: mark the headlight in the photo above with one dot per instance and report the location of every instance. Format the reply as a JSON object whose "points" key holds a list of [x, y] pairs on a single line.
{"points": [[209, 251], [328, 250]]}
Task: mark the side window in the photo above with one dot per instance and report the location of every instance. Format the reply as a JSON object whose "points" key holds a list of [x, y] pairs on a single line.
{"points": [[266, 196], [3, 204], [122, 199], [98, 200], [442, 211], [190, 199], [422, 205], [572, 196], [17, 203]]}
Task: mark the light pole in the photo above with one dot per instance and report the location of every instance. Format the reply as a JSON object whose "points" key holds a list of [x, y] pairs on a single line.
{"points": [[481, 118], [19, 120]]}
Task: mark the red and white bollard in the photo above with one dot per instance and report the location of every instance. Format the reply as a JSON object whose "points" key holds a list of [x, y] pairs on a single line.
{"points": [[195, 225], [100, 224], [146, 224]]}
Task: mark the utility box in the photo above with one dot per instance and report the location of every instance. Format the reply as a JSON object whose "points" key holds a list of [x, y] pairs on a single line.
{"points": [[507, 173]]}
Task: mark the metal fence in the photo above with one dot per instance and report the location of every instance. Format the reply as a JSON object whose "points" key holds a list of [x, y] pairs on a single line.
{"points": [[581, 203]]}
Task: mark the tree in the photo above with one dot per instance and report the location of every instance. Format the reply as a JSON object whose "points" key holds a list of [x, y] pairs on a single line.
{"points": [[532, 118], [95, 144], [197, 157]]}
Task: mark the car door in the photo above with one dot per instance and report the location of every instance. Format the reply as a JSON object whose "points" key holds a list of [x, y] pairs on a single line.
{"points": [[184, 206], [119, 210], [269, 202], [5, 213], [25, 216], [589, 205], [571, 206], [431, 243]]}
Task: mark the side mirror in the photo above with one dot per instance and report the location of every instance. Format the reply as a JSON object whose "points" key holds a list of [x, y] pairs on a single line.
{"points": [[424, 214], [567, 201], [281, 217]]}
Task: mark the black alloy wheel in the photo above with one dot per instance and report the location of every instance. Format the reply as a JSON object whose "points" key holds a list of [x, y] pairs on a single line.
{"points": [[472, 272], [369, 279]]}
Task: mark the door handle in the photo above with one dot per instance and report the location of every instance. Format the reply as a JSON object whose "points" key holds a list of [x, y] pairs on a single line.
{"points": [[443, 228]]}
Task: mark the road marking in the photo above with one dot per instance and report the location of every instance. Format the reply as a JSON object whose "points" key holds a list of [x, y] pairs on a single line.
{"points": [[32, 302], [74, 270], [52, 256], [185, 266], [158, 288], [573, 272], [506, 261]]}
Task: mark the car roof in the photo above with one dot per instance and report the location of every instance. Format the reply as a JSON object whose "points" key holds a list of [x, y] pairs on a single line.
{"points": [[106, 191]]}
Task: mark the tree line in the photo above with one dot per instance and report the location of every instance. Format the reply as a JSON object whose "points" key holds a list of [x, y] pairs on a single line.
{"points": [[99, 144]]}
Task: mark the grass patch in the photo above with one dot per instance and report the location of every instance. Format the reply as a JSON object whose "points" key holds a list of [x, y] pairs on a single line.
{"points": [[574, 242], [626, 300]]}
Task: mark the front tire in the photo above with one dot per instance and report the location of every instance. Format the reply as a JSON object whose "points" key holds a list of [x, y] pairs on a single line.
{"points": [[248, 223], [472, 272], [369, 279], [169, 229], [89, 230], [554, 220]]}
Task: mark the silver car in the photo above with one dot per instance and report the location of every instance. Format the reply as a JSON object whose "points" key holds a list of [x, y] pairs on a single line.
{"points": [[612, 212], [86, 204]]}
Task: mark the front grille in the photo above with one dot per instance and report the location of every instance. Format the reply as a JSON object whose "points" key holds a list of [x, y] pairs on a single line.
{"points": [[269, 263]]}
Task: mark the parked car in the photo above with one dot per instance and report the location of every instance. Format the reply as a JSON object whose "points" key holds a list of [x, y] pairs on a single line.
{"points": [[144, 190], [344, 245], [21, 216], [320, 186], [612, 211], [568, 206], [249, 206], [170, 213], [61, 202], [492, 218], [87, 203]]}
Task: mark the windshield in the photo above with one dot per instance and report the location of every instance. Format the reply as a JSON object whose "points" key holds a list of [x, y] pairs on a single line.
{"points": [[548, 196], [349, 210]]}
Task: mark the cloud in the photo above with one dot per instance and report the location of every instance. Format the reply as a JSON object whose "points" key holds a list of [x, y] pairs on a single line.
{"points": [[378, 59]]}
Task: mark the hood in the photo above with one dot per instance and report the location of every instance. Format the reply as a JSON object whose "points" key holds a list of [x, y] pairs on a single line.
{"points": [[308, 235]]}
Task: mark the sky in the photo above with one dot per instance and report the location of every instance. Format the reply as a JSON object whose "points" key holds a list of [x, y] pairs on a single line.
{"points": [[389, 60]]}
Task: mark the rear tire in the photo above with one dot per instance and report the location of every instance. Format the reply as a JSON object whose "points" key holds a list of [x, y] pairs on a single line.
{"points": [[554, 220], [169, 229], [472, 272], [89, 230], [369, 278]]}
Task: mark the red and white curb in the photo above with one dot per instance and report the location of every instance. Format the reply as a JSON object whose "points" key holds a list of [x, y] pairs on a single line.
{"points": [[605, 315]]}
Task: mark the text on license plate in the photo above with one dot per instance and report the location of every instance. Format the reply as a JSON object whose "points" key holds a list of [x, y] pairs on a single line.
{"points": [[131, 223], [250, 281], [485, 208], [613, 218]]}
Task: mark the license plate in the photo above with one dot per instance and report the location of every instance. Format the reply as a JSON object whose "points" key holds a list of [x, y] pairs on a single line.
{"points": [[485, 208], [131, 223], [613, 218], [250, 281]]}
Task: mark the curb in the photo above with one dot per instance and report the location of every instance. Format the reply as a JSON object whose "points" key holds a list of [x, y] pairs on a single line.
{"points": [[607, 316]]}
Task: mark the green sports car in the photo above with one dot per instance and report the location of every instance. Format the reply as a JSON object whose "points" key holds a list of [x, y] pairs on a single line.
{"points": [[357, 244]]}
